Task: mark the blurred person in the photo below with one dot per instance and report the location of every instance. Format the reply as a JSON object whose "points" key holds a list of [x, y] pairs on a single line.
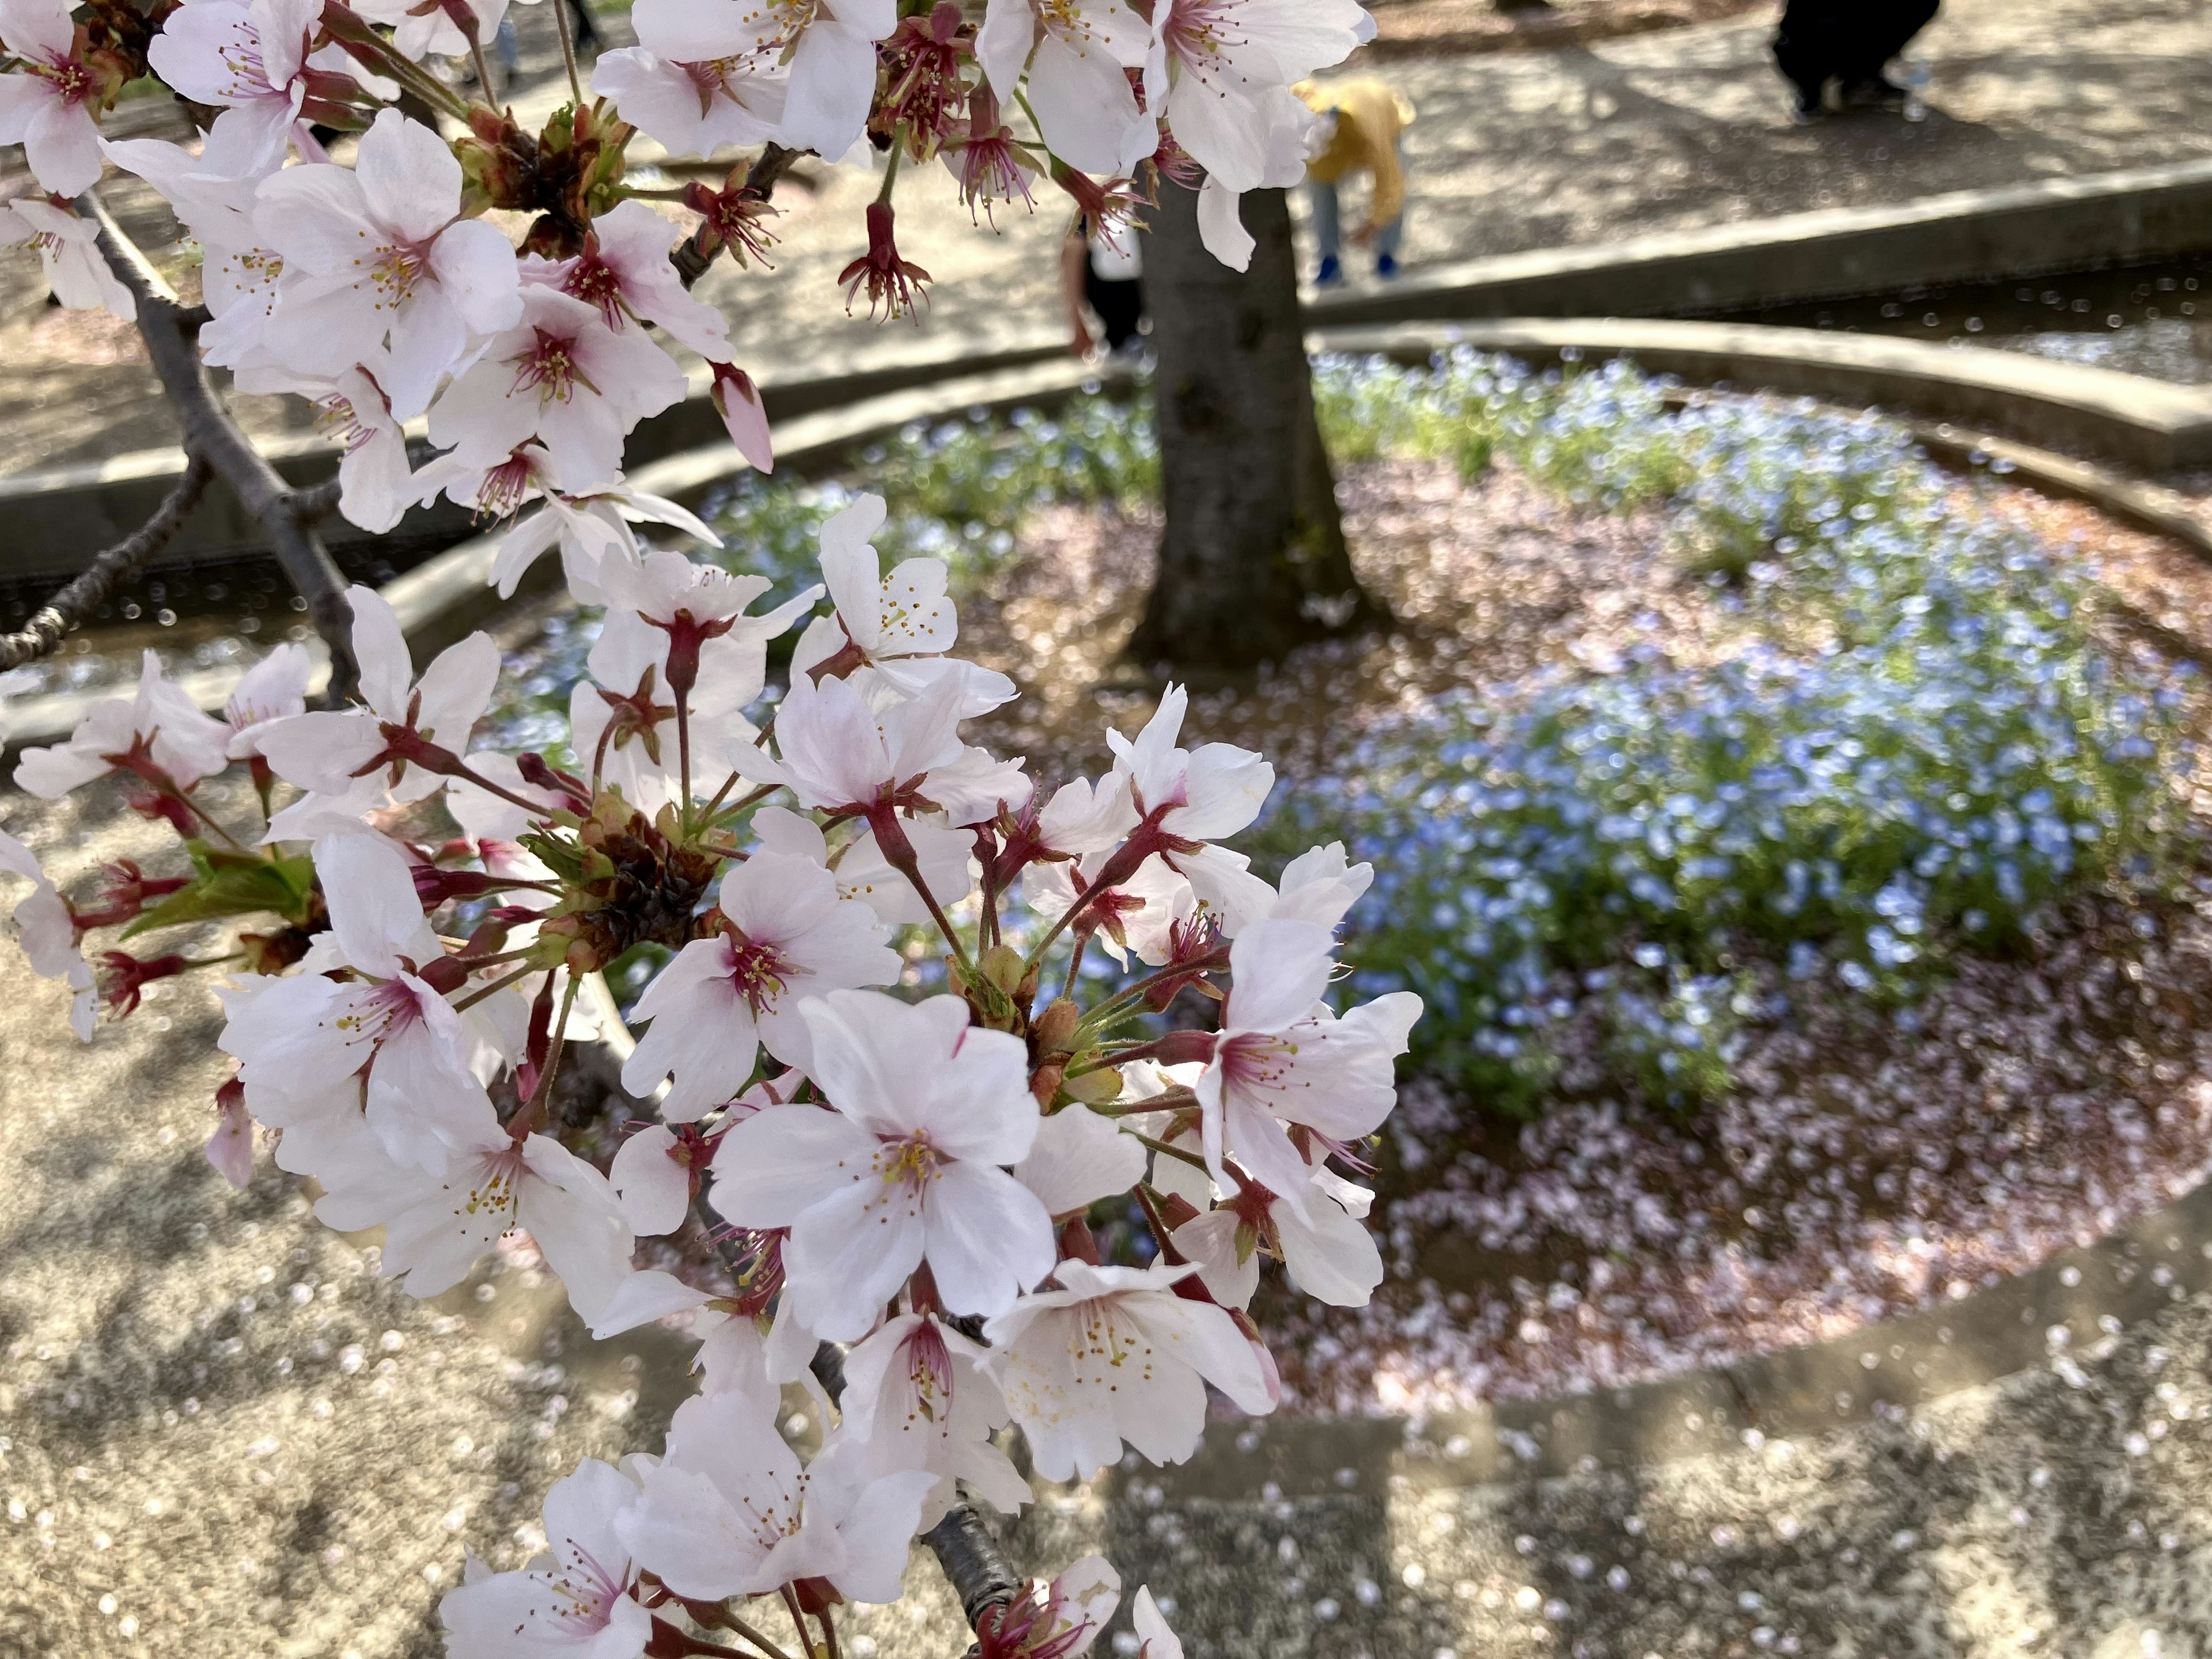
{"points": [[1099, 277], [1848, 43], [1361, 130]]}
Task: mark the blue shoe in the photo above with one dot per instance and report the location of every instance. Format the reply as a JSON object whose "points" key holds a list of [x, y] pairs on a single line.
{"points": [[1386, 266], [1331, 272]]}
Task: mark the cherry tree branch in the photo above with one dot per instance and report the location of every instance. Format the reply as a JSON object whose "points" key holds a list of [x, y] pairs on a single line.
{"points": [[211, 435], [67, 610]]}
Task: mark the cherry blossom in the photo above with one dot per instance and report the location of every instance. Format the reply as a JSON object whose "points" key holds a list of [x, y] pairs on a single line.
{"points": [[1283, 1058], [159, 734], [623, 272], [376, 485], [728, 1511], [379, 250], [1154, 1640], [695, 83], [1328, 1252], [942, 855], [1113, 1355], [574, 1597], [916, 1397], [68, 247], [331, 752], [906, 1168], [1078, 1159], [274, 689], [781, 934], [900, 624], [249, 61], [1219, 73], [47, 104], [240, 277], [439, 1226], [293, 1036], [1075, 54], [561, 377], [47, 932]]}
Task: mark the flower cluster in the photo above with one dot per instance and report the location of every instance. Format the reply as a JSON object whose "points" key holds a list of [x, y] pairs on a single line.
{"points": [[908, 1178]]}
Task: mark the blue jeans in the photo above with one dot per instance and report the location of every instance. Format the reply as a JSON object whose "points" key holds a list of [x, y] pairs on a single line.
{"points": [[1328, 224]]}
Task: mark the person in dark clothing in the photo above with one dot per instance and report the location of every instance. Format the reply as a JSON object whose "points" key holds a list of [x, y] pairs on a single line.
{"points": [[1848, 42]]}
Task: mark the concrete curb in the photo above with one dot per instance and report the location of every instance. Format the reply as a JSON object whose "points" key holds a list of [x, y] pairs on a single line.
{"points": [[2133, 215], [2146, 425], [443, 598], [60, 518]]}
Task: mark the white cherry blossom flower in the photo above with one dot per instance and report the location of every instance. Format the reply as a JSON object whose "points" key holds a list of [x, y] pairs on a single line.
{"points": [[160, 728], [1320, 885], [1284, 1059], [690, 84], [376, 486], [1219, 72], [916, 1397], [379, 250], [249, 60], [1194, 798], [328, 751], [492, 1185], [623, 272], [239, 276], [836, 753], [420, 31], [1078, 1159], [1325, 1249], [1083, 100], [47, 932], [729, 1511], [1154, 1640], [783, 935], [68, 247], [274, 689], [561, 377], [293, 1036], [906, 1168], [1113, 1355], [900, 625], [573, 1598], [942, 854], [46, 101]]}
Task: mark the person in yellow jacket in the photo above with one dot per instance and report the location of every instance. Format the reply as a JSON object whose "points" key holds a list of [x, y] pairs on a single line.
{"points": [[1361, 130]]}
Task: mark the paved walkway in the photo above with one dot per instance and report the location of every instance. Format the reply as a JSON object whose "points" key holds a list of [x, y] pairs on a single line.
{"points": [[1513, 150]]}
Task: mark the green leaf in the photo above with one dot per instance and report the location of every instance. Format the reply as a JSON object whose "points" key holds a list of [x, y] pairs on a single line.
{"points": [[234, 883]]}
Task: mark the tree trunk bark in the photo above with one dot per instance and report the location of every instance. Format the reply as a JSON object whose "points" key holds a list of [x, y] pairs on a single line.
{"points": [[1252, 563]]}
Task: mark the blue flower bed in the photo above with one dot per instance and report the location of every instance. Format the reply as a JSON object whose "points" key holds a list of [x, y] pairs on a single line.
{"points": [[1920, 744]]}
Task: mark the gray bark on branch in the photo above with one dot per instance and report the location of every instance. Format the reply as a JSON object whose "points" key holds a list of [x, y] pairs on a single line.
{"points": [[68, 610], [212, 436]]}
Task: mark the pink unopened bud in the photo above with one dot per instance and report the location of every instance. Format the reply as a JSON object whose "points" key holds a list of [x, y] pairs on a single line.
{"points": [[738, 400], [230, 1148]]}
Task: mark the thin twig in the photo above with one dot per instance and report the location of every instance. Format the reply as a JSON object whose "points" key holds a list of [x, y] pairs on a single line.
{"points": [[213, 435], [68, 610], [568, 51]]}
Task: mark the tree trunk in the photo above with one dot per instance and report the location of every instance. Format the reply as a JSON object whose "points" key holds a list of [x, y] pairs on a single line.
{"points": [[1252, 563]]}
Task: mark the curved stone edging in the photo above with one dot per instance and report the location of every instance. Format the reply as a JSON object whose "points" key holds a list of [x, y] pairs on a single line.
{"points": [[2146, 425], [2129, 216]]}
